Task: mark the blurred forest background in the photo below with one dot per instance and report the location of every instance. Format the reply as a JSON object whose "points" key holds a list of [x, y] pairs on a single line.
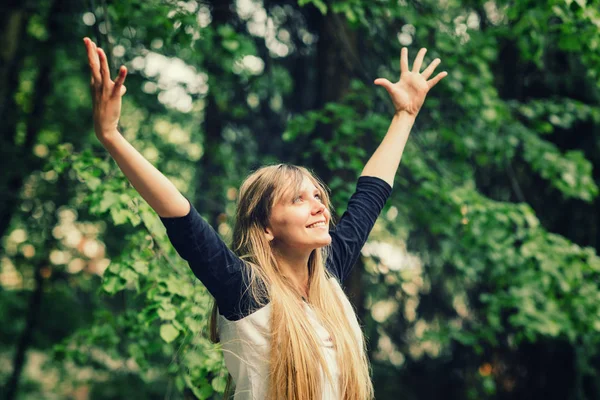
{"points": [[481, 279]]}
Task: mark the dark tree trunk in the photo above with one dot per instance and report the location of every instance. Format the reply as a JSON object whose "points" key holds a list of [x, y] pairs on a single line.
{"points": [[35, 302], [336, 49], [60, 197], [13, 22], [17, 172], [211, 198], [337, 55]]}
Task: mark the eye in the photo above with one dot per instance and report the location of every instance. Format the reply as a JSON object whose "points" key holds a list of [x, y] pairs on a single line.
{"points": [[297, 199], [318, 197]]}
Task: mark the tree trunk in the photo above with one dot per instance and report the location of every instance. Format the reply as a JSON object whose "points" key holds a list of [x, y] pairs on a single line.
{"points": [[337, 51], [13, 24], [35, 301], [212, 200], [13, 21], [16, 177]]}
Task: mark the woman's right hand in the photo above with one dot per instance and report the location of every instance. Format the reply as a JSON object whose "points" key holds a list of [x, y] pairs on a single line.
{"points": [[106, 94]]}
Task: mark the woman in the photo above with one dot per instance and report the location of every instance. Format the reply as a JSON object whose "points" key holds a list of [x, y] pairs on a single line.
{"points": [[286, 327]]}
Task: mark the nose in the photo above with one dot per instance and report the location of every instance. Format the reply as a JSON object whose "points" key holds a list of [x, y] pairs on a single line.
{"points": [[319, 207]]}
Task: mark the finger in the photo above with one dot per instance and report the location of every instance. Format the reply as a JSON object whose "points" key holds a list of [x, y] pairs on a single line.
{"points": [[385, 83], [432, 82], [104, 68], [404, 60], [92, 60], [419, 60], [427, 73], [119, 81], [123, 90], [97, 61]]}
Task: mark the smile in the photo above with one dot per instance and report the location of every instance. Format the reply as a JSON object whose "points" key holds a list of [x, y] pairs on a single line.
{"points": [[317, 225]]}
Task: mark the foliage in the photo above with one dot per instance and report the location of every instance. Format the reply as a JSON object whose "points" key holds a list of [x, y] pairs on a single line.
{"points": [[482, 274]]}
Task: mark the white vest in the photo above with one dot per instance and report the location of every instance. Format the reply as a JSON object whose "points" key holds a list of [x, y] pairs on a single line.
{"points": [[246, 349]]}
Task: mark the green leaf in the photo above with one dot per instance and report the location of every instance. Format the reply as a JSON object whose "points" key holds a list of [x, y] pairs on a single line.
{"points": [[119, 216], [219, 383], [166, 315], [93, 183], [317, 3], [113, 284], [168, 332], [231, 45], [108, 200], [141, 267]]}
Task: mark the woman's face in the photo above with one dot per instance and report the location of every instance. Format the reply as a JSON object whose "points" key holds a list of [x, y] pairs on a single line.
{"points": [[299, 220]]}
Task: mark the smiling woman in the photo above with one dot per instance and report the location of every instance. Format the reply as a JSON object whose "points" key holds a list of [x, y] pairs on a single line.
{"points": [[283, 278], [286, 327], [298, 224]]}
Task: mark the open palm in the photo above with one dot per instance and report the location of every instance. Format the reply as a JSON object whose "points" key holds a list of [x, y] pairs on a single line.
{"points": [[408, 94], [106, 93]]}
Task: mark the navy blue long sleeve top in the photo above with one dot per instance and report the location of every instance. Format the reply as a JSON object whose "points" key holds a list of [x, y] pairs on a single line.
{"points": [[222, 272]]}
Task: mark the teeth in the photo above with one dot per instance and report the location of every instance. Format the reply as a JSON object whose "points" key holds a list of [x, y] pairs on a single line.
{"points": [[317, 224]]}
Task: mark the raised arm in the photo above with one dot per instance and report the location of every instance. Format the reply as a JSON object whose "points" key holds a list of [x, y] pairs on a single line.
{"points": [[152, 185], [377, 178], [212, 262], [408, 95]]}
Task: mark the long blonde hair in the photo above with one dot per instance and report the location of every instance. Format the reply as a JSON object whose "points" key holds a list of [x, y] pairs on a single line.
{"points": [[296, 361]]}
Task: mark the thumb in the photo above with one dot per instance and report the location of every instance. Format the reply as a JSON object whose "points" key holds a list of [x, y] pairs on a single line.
{"points": [[119, 89], [385, 83]]}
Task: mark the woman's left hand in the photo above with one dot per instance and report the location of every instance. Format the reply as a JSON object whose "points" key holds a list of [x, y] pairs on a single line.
{"points": [[408, 94]]}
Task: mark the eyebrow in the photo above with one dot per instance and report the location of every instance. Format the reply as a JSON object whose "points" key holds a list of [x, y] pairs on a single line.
{"points": [[301, 192], [315, 190]]}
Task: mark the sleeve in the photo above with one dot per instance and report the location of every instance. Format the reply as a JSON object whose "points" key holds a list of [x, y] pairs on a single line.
{"points": [[356, 223], [217, 267]]}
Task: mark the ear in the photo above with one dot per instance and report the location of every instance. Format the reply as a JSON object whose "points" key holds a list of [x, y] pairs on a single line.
{"points": [[269, 234]]}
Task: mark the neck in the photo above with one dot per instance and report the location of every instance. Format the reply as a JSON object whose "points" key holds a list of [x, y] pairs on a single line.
{"points": [[294, 265]]}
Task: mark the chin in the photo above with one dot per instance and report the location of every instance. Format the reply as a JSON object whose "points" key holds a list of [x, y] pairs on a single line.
{"points": [[324, 242]]}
